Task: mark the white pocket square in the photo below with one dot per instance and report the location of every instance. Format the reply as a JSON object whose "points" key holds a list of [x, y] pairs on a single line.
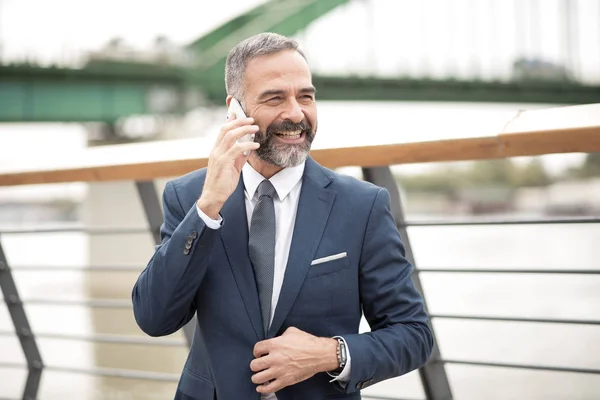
{"points": [[328, 258]]}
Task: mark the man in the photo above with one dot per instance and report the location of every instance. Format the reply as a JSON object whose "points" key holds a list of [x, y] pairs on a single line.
{"points": [[278, 257]]}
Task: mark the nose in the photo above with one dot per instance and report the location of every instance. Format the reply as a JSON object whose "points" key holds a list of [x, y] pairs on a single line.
{"points": [[293, 112]]}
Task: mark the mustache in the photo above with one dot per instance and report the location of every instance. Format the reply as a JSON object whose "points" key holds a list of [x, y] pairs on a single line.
{"points": [[287, 125]]}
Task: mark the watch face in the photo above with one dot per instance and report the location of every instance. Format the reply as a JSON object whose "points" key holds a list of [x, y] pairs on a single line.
{"points": [[342, 352]]}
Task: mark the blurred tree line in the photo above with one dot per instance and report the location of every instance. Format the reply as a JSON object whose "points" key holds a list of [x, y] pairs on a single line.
{"points": [[589, 168], [498, 173]]}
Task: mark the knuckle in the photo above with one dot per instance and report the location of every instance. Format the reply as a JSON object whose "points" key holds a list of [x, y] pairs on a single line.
{"points": [[231, 133], [277, 360]]}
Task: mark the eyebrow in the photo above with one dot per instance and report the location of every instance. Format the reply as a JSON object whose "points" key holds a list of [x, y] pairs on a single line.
{"points": [[274, 92], [310, 89]]}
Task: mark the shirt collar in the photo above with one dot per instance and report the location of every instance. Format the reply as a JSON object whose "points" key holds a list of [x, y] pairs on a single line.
{"points": [[283, 181]]}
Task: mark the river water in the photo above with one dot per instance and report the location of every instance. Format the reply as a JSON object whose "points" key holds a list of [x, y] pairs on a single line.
{"points": [[541, 296]]}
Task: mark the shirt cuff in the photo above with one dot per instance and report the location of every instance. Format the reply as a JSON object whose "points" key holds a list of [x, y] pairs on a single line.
{"points": [[344, 376], [211, 223]]}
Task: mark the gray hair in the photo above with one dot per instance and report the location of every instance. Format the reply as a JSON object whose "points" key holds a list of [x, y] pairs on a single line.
{"points": [[255, 46]]}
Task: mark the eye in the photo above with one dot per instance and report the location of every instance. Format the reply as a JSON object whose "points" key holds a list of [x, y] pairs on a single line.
{"points": [[308, 97], [274, 99]]}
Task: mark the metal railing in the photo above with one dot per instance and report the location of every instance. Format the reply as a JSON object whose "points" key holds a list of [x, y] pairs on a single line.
{"points": [[28, 339], [575, 220], [433, 375]]}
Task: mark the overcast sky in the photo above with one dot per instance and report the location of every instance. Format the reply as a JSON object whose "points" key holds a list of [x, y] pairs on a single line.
{"points": [[427, 37]]}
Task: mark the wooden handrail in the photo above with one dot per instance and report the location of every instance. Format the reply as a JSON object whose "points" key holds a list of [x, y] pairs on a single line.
{"points": [[571, 129]]}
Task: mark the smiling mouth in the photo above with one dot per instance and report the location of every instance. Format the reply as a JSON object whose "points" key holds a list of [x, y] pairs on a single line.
{"points": [[290, 134]]}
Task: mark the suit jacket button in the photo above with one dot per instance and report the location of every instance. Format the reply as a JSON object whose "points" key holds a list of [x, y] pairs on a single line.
{"points": [[188, 246], [190, 239], [194, 234], [186, 251]]}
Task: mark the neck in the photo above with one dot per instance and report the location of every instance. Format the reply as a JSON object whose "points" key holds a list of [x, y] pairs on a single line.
{"points": [[263, 168]]}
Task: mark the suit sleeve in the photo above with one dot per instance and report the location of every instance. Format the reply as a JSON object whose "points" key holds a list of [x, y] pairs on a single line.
{"points": [[163, 295], [400, 339]]}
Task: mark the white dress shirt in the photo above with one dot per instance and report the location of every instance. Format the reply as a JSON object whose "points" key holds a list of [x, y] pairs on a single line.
{"points": [[287, 183]]}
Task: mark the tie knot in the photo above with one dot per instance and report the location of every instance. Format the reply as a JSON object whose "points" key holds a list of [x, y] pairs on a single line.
{"points": [[266, 188]]}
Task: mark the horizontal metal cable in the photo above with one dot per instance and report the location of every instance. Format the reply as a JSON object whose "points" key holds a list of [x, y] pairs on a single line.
{"points": [[524, 366], [107, 338], [93, 268], [517, 319], [511, 271], [101, 303], [113, 372], [79, 229], [133, 268], [11, 365], [129, 230], [536, 221], [120, 373]]}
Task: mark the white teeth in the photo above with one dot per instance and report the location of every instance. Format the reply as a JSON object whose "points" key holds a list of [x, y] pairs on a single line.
{"points": [[292, 133]]}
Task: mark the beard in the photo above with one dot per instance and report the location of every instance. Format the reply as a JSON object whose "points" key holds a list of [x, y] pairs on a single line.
{"points": [[280, 154]]}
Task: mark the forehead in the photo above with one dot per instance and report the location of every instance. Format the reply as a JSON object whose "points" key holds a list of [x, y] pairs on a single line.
{"points": [[282, 70]]}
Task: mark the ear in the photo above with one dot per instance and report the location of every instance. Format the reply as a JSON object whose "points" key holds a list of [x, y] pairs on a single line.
{"points": [[228, 100]]}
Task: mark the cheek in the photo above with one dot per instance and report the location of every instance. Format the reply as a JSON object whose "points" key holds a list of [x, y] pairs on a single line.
{"points": [[311, 117], [263, 118]]}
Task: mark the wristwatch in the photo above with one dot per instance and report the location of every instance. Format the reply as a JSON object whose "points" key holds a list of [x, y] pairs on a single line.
{"points": [[342, 355]]}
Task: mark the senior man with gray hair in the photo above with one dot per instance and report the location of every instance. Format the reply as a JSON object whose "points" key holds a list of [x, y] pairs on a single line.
{"points": [[278, 256]]}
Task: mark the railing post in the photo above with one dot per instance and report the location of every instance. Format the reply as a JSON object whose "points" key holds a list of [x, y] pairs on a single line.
{"points": [[154, 215], [433, 374], [22, 329]]}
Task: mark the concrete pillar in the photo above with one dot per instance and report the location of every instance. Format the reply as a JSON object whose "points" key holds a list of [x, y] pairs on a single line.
{"points": [[109, 205]]}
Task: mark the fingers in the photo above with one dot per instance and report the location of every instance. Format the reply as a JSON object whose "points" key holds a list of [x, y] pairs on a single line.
{"points": [[262, 348], [259, 364], [271, 387], [264, 376], [238, 149], [236, 123], [237, 133]]}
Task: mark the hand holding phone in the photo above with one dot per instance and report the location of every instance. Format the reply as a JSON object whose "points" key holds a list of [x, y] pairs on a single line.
{"points": [[227, 158], [235, 111]]}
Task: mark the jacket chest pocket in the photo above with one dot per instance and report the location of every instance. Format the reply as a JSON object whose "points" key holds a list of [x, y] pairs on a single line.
{"points": [[328, 290], [328, 265]]}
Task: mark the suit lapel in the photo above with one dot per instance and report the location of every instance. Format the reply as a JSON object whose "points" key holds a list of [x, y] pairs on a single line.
{"points": [[314, 207], [235, 239]]}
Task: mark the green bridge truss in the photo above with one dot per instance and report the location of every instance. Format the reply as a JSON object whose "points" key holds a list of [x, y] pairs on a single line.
{"points": [[106, 91]]}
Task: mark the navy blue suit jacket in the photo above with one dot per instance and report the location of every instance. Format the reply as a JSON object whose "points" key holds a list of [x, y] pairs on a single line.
{"points": [[199, 270]]}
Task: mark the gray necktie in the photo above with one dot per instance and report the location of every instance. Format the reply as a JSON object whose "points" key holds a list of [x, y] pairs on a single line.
{"points": [[261, 246]]}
